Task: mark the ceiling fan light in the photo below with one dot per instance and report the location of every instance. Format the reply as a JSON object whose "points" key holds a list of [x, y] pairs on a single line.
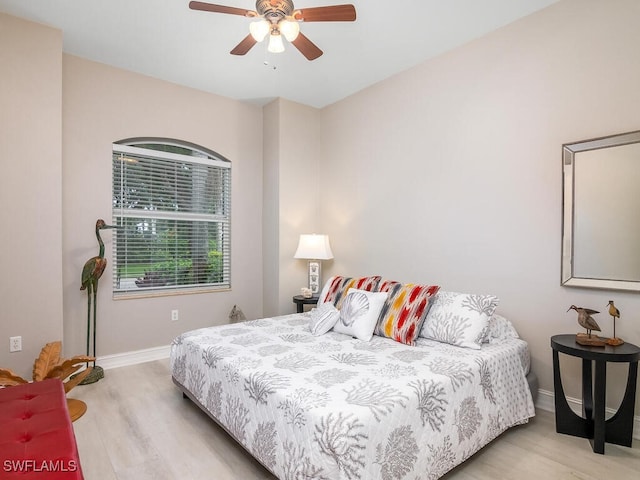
{"points": [[290, 29], [259, 30], [276, 45]]}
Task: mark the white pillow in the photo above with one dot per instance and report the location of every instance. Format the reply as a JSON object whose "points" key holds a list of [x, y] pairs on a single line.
{"points": [[359, 313], [460, 319], [323, 318], [500, 329]]}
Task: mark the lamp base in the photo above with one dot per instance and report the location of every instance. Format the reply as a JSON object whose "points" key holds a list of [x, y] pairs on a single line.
{"points": [[314, 276]]}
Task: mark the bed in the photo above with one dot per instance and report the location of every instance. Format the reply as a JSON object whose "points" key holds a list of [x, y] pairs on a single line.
{"points": [[333, 407]]}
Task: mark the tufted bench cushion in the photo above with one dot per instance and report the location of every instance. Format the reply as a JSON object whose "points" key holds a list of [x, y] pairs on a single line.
{"points": [[36, 435]]}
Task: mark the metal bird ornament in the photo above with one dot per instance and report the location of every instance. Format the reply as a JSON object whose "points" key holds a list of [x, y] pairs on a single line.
{"points": [[615, 313], [91, 273], [587, 322]]}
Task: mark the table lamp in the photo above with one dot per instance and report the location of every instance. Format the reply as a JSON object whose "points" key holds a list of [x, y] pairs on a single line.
{"points": [[314, 248]]}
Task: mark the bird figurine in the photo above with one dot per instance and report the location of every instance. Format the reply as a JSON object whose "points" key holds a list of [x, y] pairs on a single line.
{"points": [[91, 273], [615, 313], [586, 321]]}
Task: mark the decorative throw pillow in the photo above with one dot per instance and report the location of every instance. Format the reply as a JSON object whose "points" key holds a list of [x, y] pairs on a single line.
{"points": [[404, 311], [500, 329], [359, 313], [323, 318], [336, 288], [387, 285], [459, 318]]}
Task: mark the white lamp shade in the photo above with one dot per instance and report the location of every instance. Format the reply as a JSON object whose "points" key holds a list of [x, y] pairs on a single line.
{"points": [[276, 45], [312, 246], [259, 29], [290, 29]]}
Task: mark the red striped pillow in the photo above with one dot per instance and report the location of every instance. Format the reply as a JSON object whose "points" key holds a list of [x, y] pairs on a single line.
{"points": [[337, 287], [404, 311], [388, 285]]}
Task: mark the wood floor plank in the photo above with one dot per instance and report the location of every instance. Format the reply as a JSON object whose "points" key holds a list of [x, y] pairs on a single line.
{"points": [[94, 460], [138, 426]]}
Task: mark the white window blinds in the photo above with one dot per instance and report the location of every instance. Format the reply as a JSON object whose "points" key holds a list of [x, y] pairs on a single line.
{"points": [[173, 213]]}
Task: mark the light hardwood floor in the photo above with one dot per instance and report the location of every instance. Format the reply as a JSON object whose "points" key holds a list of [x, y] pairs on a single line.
{"points": [[139, 427]]}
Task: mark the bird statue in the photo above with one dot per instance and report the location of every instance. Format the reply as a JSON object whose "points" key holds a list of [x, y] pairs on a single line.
{"points": [[615, 313], [91, 273], [586, 321]]}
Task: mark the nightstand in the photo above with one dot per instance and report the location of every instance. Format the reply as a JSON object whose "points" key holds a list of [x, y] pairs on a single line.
{"points": [[301, 301], [592, 425]]}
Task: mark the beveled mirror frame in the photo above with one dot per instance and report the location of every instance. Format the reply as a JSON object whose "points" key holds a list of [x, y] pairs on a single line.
{"points": [[569, 152]]}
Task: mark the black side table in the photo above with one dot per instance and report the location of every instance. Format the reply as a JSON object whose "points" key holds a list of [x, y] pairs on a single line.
{"points": [[301, 301], [592, 425]]}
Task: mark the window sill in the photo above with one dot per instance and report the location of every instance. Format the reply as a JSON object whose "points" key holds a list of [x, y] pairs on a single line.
{"points": [[167, 293]]}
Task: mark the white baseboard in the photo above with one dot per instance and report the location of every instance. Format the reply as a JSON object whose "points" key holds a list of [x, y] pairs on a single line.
{"points": [[546, 402], [133, 358]]}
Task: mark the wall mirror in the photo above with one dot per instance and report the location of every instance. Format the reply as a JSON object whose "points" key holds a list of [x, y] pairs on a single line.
{"points": [[601, 218]]}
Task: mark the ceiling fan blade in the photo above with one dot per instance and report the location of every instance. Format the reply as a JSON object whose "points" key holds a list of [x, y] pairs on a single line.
{"points": [[244, 46], [335, 13], [210, 7], [307, 47]]}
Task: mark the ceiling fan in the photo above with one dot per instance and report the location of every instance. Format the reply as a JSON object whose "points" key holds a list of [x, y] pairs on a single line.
{"points": [[278, 18]]}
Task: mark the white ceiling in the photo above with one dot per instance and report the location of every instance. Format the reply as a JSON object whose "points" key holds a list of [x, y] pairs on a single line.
{"points": [[167, 40]]}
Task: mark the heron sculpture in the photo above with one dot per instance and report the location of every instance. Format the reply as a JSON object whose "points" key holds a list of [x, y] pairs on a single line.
{"points": [[91, 273], [615, 313], [586, 321]]}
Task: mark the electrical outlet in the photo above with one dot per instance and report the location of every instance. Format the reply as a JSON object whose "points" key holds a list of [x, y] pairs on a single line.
{"points": [[15, 344], [174, 315]]}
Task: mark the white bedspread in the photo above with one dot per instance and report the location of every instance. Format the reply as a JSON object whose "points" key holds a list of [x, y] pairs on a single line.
{"points": [[333, 407]]}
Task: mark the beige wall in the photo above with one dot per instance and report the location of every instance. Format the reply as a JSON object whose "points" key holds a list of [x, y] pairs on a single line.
{"points": [[270, 208], [299, 159], [451, 172], [104, 104], [292, 163], [30, 189]]}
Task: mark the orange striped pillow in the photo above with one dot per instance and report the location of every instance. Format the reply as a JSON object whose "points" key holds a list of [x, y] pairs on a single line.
{"points": [[404, 311]]}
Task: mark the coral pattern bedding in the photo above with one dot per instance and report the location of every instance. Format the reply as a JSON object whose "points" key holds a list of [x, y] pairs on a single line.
{"points": [[333, 407]]}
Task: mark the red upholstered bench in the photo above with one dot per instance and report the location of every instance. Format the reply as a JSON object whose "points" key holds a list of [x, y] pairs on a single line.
{"points": [[36, 435]]}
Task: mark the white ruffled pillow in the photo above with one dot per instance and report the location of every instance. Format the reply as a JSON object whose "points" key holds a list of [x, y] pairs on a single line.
{"points": [[500, 329], [460, 319], [359, 313], [323, 318]]}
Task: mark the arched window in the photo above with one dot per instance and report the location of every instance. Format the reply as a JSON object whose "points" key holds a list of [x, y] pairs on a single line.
{"points": [[172, 204]]}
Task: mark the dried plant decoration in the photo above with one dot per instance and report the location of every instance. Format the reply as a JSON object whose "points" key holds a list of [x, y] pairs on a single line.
{"points": [[48, 358], [8, 378], [49, 364]]}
